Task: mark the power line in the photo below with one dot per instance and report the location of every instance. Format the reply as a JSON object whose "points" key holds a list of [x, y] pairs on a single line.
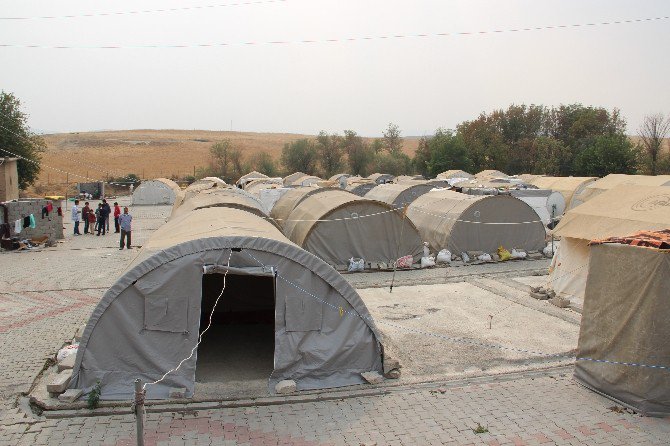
{"points": [[144, 11], [340, 40]]}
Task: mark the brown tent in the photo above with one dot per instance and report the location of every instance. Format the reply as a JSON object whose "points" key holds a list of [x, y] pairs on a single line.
{"points": [[336, 225], [399, 195], [244, 179], [460, 222], [289, 200], [625, 320]]}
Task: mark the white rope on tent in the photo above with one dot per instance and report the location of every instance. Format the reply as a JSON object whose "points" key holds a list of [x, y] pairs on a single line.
{"points": [[211, 316]]}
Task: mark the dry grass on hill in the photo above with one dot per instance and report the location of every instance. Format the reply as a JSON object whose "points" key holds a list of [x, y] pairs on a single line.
{"points": [[148, 153]]}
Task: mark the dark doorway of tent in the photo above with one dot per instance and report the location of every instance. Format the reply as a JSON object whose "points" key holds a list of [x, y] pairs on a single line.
{"points": [[236, 355]]}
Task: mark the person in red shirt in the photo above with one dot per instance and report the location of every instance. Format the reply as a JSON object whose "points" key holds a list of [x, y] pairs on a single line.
{"points": [[117, 212]]}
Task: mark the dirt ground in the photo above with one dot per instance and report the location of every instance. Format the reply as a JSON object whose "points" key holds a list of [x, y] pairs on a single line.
{"points": [[443, 331]]}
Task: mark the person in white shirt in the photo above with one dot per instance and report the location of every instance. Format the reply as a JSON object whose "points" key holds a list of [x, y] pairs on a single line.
{"points": [[75, 217]]}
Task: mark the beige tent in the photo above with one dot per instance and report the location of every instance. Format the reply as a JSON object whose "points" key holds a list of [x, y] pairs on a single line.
{"points": [[408, 178], [253, 186], [622, 210], [399, 195], [336, 225], [196, 187], [288, 201], [450, 174], [339, 176], [231, 197], [279, 302], [625, 320], [359, 186], [460, 222], [381, 178], [244, 179], [156, 192], [613, 180], [566, 186], [288, 180], [490, 174]]}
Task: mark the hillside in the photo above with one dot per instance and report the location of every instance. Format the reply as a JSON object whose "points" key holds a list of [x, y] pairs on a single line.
{"points": [[148, 153]]}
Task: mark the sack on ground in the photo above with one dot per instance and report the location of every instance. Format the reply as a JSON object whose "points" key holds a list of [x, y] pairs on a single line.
{"points": [[356, 264], [485, 257], [405, 262], [518, 254], [465, 257], [503, 254], [444, 256], [67, 351], [427, 261]]}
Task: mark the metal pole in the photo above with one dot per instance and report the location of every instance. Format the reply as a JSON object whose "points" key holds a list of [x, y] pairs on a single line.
{"points": [[553, 216], [139, 411]]}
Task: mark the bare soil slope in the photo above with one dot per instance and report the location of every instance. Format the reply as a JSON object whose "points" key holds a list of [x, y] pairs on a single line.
{"points": [[148, 153]]}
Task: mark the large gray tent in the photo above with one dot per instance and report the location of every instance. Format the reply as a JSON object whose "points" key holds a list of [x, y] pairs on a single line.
{"points": [[359, 186], [399, 195], [460, 222], [150, 319], [156, 192], [337, 225]]}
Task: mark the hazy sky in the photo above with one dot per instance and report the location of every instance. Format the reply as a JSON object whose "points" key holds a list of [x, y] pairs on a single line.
{"points": [[418, 83]]}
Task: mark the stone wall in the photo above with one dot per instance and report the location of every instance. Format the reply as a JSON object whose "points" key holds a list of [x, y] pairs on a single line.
{"points": [[51, 226]]}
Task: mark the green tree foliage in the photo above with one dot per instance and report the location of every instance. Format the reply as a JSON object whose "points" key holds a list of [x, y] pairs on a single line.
{"points": [[608, 154], [300, 156], [227, 161], [446, 151], [392, 141], [359, 154], [396, 163], [264, 163], [330, 152], [16, 138], [543, 140]]}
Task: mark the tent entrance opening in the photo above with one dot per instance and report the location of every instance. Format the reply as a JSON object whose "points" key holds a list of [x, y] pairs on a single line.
{"points": [[239, 346]]}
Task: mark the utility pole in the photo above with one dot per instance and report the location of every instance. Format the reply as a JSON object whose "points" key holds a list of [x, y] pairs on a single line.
{"points": [[138, 405]]}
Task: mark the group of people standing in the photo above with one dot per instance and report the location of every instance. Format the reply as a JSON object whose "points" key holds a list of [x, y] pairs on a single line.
{"points": [[96, 220]]}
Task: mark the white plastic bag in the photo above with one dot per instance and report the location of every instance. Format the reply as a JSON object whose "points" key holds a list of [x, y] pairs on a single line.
{"points": [[356, 264], [444, 256], [465, 257], [548, 251], [485, 257], [518, 254], [67, 351], [426, 249], [427, 261]]}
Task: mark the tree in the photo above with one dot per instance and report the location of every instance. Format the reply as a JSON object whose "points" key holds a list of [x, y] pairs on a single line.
{"points": [[264, 163], [359, 154], [392, 141], [227, 161], [447, 151], [16, 140], [329, 148], [608, 154], [551, 156], [652, 132], [300, 156], [396, 163], [422, 157]]}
